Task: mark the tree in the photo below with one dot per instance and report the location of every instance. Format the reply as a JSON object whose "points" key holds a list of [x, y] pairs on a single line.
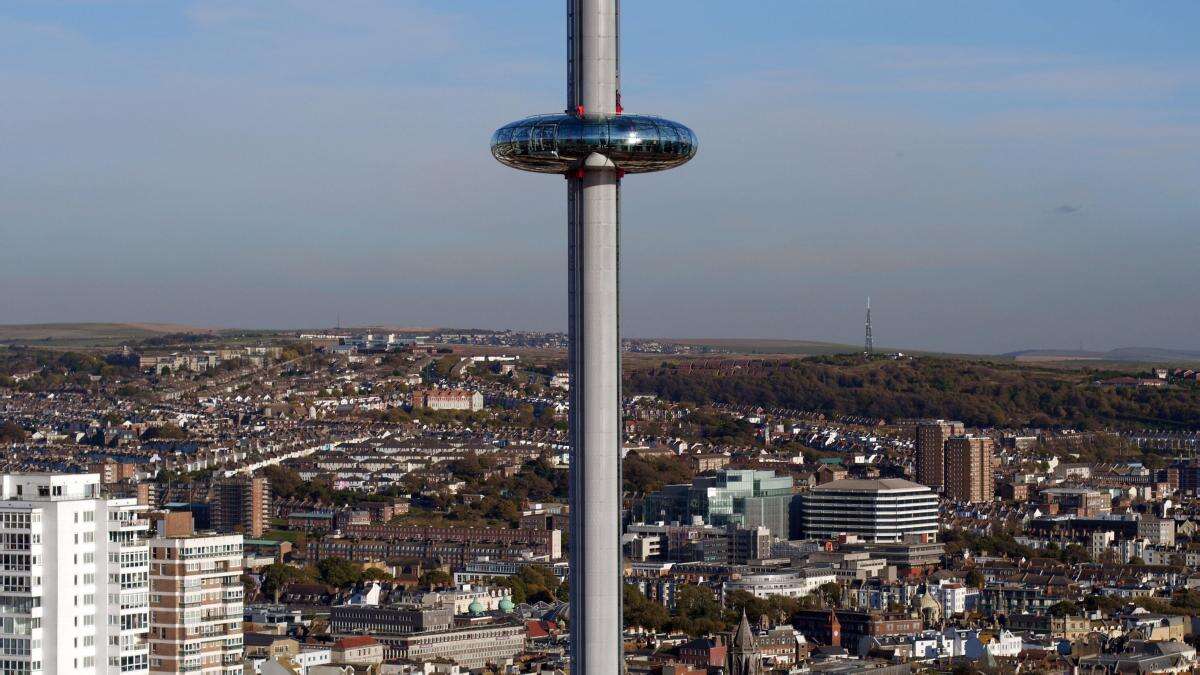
{"points": [[1063, 608], [830, 593], [697, 611], [974, 578], [376, 574], [11, 432], [285, 483], [737, 602], [339, 572], [278, 575], [644, 612], [436, 579], [165, 432]]}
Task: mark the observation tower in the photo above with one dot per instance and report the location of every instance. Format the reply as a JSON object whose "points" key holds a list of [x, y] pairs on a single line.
{"points": [[593, 144]]}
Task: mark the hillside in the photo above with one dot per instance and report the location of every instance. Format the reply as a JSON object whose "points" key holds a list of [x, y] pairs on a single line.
{"points": [[87, 334], [978, 392], [1119, 355]]}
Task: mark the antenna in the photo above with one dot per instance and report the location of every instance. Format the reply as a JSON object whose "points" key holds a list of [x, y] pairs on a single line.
{"points": [[869, 343]]}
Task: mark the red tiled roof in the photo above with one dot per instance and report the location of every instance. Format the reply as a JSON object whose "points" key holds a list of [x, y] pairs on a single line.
{"points": [[355, 641]]}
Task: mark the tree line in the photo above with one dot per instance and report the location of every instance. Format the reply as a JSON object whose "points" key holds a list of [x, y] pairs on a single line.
{"points": [[984, 394]]}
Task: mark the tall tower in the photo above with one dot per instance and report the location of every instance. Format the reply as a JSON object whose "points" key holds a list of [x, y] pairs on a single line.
{"points": [[969, 475], [593, 144], [930, 437], [869, 344]]}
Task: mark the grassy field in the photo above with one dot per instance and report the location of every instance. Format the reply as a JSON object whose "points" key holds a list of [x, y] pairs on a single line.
{"points": [[87, 334]]}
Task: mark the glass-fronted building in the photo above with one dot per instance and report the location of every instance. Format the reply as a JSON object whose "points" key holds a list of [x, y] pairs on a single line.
{"points": [[731, 497]]}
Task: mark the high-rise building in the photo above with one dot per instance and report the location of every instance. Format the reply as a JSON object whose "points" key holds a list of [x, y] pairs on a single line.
{"points": [[76, 569], [593, 144], [969, 469], [931, 438], [241, 504], [741, 497], [884, 510], [195, 599]]}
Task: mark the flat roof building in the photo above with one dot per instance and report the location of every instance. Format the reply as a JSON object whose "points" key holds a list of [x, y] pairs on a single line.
{"points": [[883, 510]]}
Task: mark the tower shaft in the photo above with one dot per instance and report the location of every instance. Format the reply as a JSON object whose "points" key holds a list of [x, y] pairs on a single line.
{"points": [[593, 55], [593, 197], [593, 144], [595, 424]]}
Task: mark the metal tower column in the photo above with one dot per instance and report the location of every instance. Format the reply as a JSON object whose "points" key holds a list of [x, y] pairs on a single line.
{"points": [[595, 416], [593, 144]]}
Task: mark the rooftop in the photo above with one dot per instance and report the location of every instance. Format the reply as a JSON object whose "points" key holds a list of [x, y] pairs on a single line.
{"points": [[870, 485]]}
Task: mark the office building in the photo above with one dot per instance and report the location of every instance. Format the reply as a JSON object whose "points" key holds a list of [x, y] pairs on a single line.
{"points": [[969, 469], [241, 504], [195, 599], [593, 144], [76, 569], [732, 497], [887, 510], [931, 438]]}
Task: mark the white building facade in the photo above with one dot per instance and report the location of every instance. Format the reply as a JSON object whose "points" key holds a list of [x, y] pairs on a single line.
{"points": [[75, 570], [791, 585], [887, 510]]}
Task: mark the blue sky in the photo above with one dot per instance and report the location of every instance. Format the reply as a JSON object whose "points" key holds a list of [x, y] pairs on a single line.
{"points": [[995, 175]]}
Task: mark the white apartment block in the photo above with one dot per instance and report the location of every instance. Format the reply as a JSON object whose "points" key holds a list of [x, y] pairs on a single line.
{"points": [[195, 600], [75, 575]]}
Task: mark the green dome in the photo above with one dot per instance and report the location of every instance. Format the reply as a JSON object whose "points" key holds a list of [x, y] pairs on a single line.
{"points": [[475, 608], [507, 606]]}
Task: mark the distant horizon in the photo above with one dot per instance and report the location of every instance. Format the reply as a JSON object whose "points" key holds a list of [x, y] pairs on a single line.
{"points": [[171, 327], [994, 175]]}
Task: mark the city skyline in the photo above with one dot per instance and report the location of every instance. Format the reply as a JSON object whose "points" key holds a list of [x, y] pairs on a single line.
{"points": [[244, 164]]}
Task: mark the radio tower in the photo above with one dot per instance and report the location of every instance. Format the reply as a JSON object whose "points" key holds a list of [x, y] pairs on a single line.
{"points": [[593, 144], [869, 346]]}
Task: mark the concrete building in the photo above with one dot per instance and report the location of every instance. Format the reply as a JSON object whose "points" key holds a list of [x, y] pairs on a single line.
{"points": [[885, 510], [196, 599], [470, 646], [931, 438], [1159, 531], [1078, 501], [593, 144], [241, 504], [795, 584], [76, 570], [969, 469]]}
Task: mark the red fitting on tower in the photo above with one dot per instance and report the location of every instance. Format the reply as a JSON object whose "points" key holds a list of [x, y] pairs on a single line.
{"points": [[619, 108], [579, 172], [579, 112], [620, 174]]}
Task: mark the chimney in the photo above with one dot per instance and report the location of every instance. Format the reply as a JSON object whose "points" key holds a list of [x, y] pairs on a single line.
{"points": [[176, 524]]}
